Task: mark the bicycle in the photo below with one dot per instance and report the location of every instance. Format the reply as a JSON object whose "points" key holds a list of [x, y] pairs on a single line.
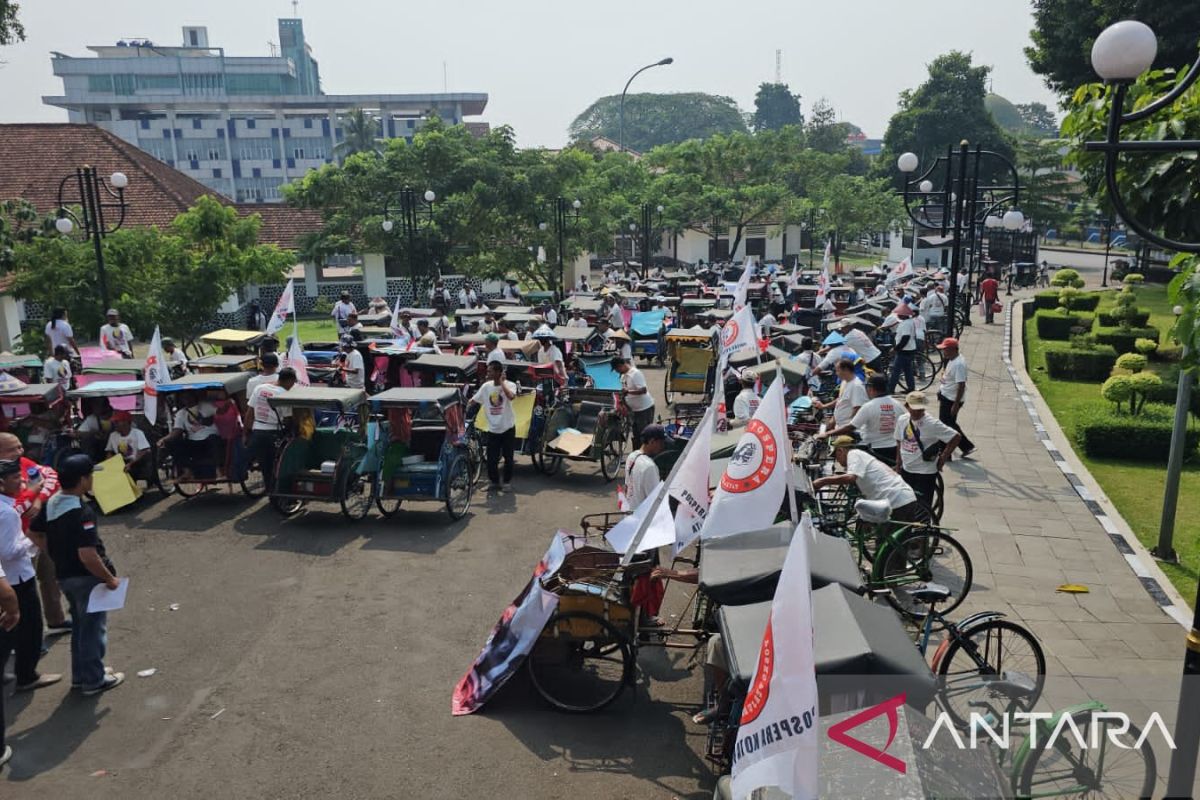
{"points": [[924, 370]]}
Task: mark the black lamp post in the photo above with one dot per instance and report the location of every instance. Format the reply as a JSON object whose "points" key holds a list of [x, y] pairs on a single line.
{"points": [[1108, 226], [1121, 53], [963, 202], [413, 209], [95, 196], [564, 213], [649, 224], [621, 135]]}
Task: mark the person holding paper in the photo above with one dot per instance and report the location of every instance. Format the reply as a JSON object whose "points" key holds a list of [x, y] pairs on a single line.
{"points": [[68, 523], [16, 560], [496, 398], [132, 445]]}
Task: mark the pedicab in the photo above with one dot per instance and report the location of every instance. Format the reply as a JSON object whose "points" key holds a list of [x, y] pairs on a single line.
{"points": [[27, 369], [219, 460], [221, 362], [234, 342], [649, 331], [434, 369], [31, 412], [691, 363], [421, 451], [590, 306], [322, 457], [693, 310], [584, 425]]}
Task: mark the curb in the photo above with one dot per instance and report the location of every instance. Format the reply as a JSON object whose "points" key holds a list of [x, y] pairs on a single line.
{"points": [[1135, 554]]}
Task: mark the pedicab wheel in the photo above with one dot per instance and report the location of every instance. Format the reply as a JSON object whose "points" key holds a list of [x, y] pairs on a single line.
{"points": [[547, 465], [388, 506], [668, 395], [188, 487], [612, 454], [939, 499], [287, 506], [354, 494], [255, 483], [458, 489], [164, 474], [580, 663], [923, 556]]}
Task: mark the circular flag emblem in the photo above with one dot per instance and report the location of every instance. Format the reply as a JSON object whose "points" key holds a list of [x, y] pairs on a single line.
{"points": [[730, 332], [753, 459], [756, 698]]}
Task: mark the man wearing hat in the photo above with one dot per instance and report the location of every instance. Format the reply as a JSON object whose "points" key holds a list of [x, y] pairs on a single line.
{"points": [[636, 396], [953, 390], [177, 362], [641, 473], [131, 444], [16, 562], [115, 335], [834, 349], [924, 445], [747, 402], [904, 351], [68, 525], [491, 345], [875, 481], [550, 354], [510, 290], [621, 341]]}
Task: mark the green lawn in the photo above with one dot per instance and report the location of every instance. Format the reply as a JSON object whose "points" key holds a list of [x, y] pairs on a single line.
{"points": [[313, 330], [1135, 488]]}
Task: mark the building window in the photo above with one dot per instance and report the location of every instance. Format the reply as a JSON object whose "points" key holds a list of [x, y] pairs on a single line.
{"points": [[307, 122], [100, 83], [214, 155], [196, 123], [123, 84], [298, 152], [158, 83], [250, 123], [190, 155], [216, 173]]}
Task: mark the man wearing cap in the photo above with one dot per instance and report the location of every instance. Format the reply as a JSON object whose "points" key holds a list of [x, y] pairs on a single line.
{"points": [[115, 335], [904, 351], [132, 445], [835, 349], [342, 310], [550, 354], [68, 525], [268, 373], [491, 345], [925, 445], [354, 368], [641, 473], [953, 390], [636, 396], [16, 562], [746, 403], [875, 481], [874, 422], [495, 397]]}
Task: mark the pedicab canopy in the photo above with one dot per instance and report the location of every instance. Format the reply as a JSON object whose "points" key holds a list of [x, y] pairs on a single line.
{"points": [[107, 389], [329, 397], [648, 323], [443, 398], [9, 362], [433, 362], [229, 382], [114, 366], [30, 393], [573, 335], [863, 654], [221, 362], [229, 337]]}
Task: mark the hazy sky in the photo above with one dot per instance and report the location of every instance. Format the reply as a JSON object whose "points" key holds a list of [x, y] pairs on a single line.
{"points": [[544, 61]]}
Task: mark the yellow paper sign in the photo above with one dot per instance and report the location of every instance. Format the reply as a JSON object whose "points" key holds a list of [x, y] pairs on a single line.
{"points": [[112, 487], [523, 409]]}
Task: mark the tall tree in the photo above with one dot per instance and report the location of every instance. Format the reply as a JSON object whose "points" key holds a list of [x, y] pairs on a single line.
{"points": [[824, 131], [11, 29], [1039, 120], [360, 133], [654, 119], [853, 206], [1047, 193], [775, 107], [1064, 30], [944, 110]]}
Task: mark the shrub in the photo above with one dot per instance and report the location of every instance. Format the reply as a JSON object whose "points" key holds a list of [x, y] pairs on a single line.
{"points": [[1103, 432], [1083, 341], [1124, 341], [1117, 389], [1136, 389], [1057, 325], [1144, 346], [1169, 353], [1138, 319], [1134, 362], [322, 305], [1046, 299], [1133, 278], [1067, 277], [1080, 365]]}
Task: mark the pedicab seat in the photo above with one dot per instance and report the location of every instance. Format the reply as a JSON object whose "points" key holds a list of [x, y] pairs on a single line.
{"points": [[588, 419]]}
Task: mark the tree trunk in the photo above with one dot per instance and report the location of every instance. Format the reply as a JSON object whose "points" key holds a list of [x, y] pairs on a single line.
{"points": [[733, 246]]}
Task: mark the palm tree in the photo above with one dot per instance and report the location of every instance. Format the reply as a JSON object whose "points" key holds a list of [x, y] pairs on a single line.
{"points": [[360, 133]]}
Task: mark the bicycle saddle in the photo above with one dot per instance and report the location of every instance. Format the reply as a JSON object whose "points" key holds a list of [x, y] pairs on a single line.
{"points": [[930, 593], [873, 510]]}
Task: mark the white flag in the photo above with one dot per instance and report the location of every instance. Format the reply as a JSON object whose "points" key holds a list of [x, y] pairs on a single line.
{"points": [[900, 271], [660, 532], [297, 361], [285, 306], [157, 372], [777, 743], [822, 286], [754, 485], [740, 334], [690, 484], [828, 253], [743, 284]]}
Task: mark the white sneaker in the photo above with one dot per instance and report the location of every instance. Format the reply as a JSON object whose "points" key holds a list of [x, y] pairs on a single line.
{"points": [[6, 756], [506, 487], [111, 681]]}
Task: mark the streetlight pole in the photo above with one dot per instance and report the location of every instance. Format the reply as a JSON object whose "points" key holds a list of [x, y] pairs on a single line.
{"points": [[1121, 53], [648, 225], [94, 196], [564, 213], [412, 210], [1108, 225], [812, 237], [621, 136]]}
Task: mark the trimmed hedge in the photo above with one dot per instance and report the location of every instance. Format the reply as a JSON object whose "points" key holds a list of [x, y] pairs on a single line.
{"points": [[1123, 340], [1069, 364], [1056, 326], [1104, 433], [1048, 299], [1105, 318]]}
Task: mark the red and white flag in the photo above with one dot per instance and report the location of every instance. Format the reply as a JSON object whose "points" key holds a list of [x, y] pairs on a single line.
{"points": [[742, 286], [285, 306], [690, 484], [777, 741], [828, 254], [822, 286], [297, 361], [901, 271], [752, 490], [740, 334], [157, 372]]}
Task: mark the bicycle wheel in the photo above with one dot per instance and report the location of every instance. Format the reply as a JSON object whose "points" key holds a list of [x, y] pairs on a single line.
{"points": [[927, 555], [164, 472], [458, 489], [612, 456], [354, 494], [580, 662], [984, 652], [924, 371], [1064, 769], [668, 395], [939, 499], [286, 506], [388, 506]]}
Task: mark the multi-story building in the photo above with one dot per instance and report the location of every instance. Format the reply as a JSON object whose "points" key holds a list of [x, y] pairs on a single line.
{"points": [[242, 126]]}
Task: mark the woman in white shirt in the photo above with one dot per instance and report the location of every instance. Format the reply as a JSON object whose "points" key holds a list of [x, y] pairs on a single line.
{"points": [[59, 332]]}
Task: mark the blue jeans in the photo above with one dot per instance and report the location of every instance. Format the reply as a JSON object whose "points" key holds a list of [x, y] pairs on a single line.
{"points": [[89, 633], [903, 361]]}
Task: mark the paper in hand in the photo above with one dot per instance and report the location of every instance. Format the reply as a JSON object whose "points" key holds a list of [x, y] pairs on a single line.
{"points": [[104, 599]]}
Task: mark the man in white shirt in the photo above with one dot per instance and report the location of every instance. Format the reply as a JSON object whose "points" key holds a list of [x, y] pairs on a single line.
{"points": [[16, 564], [495, 397], [488, 323], [861, 343], [875, 481], [620, 340], [852, 395], [354, 368], [193, 437], [550, 354], [115, 335], [615, 318], [768, 320], [549, 314], [342, 310], [131, 444], [58, 331], [463, 298], [577, 320], [875, 422], [505, 332], [262, 423], [933, 307], [177, 362], [905, 349], [953, 390], [636, 395], [746, 403], [270, 366], [491, 346], [510, 290], [837, 350], [919, 458], [57, 368], [472, 298], [641, 473]]}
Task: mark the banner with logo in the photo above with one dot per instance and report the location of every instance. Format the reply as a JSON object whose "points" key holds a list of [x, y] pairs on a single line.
{"points": [[740, 334], [156, 372], [513, 636], [285, 306], [752, 490], [689, 485], [901, 271], [659, 532], [403, 335], [777, 742], [297, 361], [822, 287]]}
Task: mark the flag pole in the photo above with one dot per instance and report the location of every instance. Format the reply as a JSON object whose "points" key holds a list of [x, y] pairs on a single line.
{"points": [[791, 484]]}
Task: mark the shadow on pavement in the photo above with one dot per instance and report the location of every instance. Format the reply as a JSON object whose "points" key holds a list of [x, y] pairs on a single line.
{"points": [[51, 742]]}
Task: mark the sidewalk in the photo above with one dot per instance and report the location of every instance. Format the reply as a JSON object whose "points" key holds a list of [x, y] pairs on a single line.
{"points": [[1028, 532]]}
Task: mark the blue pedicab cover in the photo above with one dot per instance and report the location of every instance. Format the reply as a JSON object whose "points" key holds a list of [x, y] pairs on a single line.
{"points": [[648, 323], [602, 374]]}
